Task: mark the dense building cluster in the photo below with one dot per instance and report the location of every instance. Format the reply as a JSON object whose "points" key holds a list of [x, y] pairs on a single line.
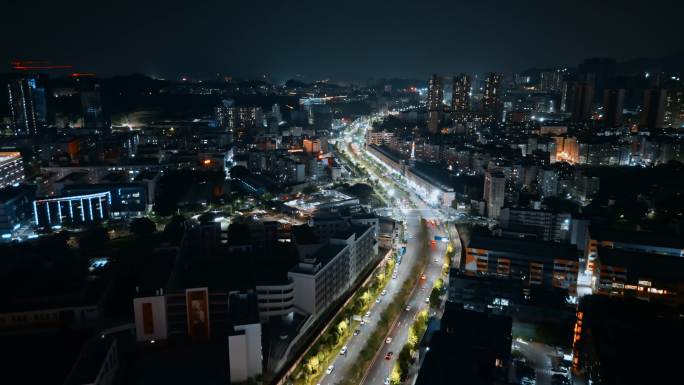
{"points": [[236, 226]]}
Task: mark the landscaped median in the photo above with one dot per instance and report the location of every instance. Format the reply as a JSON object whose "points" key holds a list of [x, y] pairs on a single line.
{"points": [[327, 346], [408, 352], [387, 317]]}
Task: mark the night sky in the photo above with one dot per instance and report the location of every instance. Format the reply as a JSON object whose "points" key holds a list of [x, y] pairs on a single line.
{"points": [[339, 39]]}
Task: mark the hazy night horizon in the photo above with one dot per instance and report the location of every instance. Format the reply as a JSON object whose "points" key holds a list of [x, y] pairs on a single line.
{"points": [[352, 40]]}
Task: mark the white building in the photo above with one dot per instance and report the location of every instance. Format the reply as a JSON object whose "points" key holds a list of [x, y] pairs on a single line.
{"points": [[244, 352], [321, 278], [150, 318], [276, 300]]}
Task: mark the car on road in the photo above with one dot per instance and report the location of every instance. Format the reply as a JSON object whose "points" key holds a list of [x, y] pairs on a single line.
{"points": [[343, 351], [408, 308], [367, 314], [362, 322], [388, 340], [389, 355], [330, 369], [435, 260], [378, 300], [357, 332], [387, 381], [384, 292], [394, 276], [427, 300]]}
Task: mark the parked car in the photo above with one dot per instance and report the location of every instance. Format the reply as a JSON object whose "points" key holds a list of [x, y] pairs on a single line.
{"points": [[330, 369], [389, 355]]}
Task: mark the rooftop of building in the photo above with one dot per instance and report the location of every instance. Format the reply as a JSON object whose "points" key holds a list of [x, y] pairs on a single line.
{"points": [[468, 344], [90, 361], [155, 273], [636, 237], [145, 175], [633, 340], [386, 151], [324, 255], [238, 270], [50, 282], [75, 176], [304, 235], [114, 177], [357, 230], [244, 308], [184, 364], [55, 351], [543, 249], [434, 174], [12, 192], [645, 265]]}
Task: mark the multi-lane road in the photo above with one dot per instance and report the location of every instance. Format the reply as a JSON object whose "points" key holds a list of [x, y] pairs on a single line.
{"points": [[399, 332], [381, 367], [382, 364]]}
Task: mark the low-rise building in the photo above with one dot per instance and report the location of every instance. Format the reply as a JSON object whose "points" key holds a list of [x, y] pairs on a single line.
{"points": [[534, 262], [646, 276]]}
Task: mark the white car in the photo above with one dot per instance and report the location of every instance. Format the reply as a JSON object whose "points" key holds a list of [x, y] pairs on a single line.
{"points": [[330, 369], [408, 308], [343, 351], [427, 300], [377, 300], [384, 292], [394, 276], [387, 381], [388, 340], [367, 314]]}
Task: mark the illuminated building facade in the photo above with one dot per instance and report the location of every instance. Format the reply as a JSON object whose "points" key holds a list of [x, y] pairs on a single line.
{"points": [[434, 103], [22, 107], [646, 276], [460, 98], [546, 264], [491, 98], [567, 150], [75, 209], [674, 108], [11, 169]]}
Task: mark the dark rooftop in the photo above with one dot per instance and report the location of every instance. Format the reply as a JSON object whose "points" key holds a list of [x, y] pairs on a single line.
{"points": [[645, 265], [304, 235], [11, 192], [636, 237], [525, 247], [244, 309]]}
